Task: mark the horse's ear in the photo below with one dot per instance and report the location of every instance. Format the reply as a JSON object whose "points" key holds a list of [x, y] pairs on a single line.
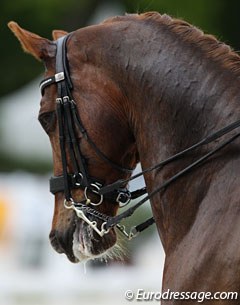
{"points": [[58, 34], [41, 48]]}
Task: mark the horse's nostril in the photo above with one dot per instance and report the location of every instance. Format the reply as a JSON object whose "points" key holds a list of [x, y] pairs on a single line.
{"points": [[52, 234], [62, 242], [55, 242]]}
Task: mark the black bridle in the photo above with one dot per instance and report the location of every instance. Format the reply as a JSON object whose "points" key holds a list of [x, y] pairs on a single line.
{"points": [[69, 123]]}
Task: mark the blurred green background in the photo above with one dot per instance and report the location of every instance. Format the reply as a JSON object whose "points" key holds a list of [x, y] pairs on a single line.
{"points": [[218, 17]]}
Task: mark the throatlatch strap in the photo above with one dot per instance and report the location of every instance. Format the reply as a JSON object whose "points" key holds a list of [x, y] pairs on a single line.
{"points": [[78, 122]]}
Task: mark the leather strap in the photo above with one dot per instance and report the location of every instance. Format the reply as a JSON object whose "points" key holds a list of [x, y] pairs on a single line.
{"points": [[113, 221], [68, 117], [121, 195]]}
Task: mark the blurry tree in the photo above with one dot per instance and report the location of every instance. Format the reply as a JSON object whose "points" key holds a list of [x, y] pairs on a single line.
{"points": [[229, 23], [219, 17], [41, 17]]}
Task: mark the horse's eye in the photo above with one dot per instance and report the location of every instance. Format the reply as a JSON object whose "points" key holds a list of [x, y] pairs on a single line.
{"points": [[48, 121]]}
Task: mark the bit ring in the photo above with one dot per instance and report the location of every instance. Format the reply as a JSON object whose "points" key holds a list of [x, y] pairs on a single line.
{"points": [[95, 189]]}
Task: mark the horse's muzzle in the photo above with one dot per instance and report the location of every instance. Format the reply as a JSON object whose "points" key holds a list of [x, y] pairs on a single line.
{"points": [[62, 242]]}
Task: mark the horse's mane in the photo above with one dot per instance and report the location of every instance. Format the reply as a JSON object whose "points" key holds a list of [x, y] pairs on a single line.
{"points": [[207, 44]]}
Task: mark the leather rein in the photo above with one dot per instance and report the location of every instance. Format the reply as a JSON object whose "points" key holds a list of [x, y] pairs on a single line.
{"points": [[69, 122]]}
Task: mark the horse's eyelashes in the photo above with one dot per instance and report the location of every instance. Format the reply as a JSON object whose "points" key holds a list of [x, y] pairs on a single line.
{"points": [[48, 121]]}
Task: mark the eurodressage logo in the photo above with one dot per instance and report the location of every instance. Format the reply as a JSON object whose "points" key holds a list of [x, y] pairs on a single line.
{"points": [[141, 295]]}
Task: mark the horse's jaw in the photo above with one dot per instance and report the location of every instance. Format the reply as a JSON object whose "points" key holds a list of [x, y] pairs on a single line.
{"points": [[88, 245]]}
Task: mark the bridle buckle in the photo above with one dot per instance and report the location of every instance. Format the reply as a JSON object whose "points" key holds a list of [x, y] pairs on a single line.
{"points": [[123, 198], [78, 179]]}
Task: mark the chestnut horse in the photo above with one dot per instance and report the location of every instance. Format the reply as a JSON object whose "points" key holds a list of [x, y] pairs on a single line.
{"points": [[147, 86]]}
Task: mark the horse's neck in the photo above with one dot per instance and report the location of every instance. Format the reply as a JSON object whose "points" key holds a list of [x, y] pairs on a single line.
{"points": [[176, 118], [171, 86], [174, 96], [177, 99], [169, 128]]}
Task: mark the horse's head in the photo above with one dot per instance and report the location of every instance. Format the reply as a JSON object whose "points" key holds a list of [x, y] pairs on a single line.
{"points": [[103, 111]]}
